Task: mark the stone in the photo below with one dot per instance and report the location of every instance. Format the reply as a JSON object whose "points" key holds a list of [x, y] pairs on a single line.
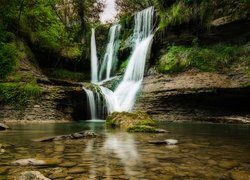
{"points": [[36, 162], [227, 164], [167, 142], [78, 135], [28, 162], [67, 164], [161, 131], [31, 175], [171, 141], [59, 148], [131, 122], [240, 175], [76, 170], [58, 175], [4, 170], [69, 178], [3, 126], [157, 142], [2, 151]]}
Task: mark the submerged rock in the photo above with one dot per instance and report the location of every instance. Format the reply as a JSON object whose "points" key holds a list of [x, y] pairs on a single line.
{"points": [[36, 162], [78, 135], [27, 162], [171, 141], [3, 127], [132, 122], [228, 164], [239, 175], [167, 142], [34, 175]]}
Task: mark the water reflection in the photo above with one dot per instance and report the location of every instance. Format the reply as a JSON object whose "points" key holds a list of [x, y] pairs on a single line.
{"points": [[117, 148], [123, 146]]}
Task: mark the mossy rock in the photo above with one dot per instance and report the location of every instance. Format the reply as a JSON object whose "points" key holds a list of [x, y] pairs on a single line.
{"points": [[131, 122], [142, 128]]}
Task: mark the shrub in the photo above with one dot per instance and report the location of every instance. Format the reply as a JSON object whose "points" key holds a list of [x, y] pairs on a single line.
{"points": [[210, 59], [8, 55], [66, 74], [18, 94]]}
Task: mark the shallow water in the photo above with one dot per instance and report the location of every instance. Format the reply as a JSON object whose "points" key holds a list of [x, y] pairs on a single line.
{"points": [[205, 151]]}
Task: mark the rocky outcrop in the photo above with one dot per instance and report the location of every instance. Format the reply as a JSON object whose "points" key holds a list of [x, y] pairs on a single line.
{"points": [[195, 96], [56, 104], [133, 122]]}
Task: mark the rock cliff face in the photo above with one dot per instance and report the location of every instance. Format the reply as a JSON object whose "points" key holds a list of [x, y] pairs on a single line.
{"points": [[195, 96], [56, 104]]}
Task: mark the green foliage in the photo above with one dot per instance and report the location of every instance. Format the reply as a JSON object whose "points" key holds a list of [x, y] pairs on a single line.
{"points": [[7, 59], [214, 58], [182, 13], [65, 74], [175, 60], [123, 66], [72, 52], [18, 94], [141, 128], [10, 53]]}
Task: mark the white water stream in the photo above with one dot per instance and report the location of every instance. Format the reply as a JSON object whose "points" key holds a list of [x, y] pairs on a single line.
{"points": [[94, 59], [124, 96], [109, 62]]}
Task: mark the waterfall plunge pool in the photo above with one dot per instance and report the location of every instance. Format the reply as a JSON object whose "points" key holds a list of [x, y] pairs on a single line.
{"points": [[205, 151]]}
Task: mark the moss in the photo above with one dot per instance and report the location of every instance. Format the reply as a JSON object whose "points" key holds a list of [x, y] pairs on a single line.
{"points": [[123, 66], [73, 52], [9, 56], [142, 128], [18, 94], [65, 74], [210, 59], [131, 122]]}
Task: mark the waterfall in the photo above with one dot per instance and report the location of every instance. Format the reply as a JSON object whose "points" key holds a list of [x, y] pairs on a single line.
{"points": [[91, 102], [132, 80], [124, 96], [109, 61], [94, 60]]}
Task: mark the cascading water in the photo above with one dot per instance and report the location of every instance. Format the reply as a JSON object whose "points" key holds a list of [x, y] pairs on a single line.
{"points": [[123, 98], [125, 93], [94, 60], [109, 61], [91, 102]]}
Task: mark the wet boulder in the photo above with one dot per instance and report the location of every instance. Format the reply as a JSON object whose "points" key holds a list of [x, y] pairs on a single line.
{"points": [[132, 122]]}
